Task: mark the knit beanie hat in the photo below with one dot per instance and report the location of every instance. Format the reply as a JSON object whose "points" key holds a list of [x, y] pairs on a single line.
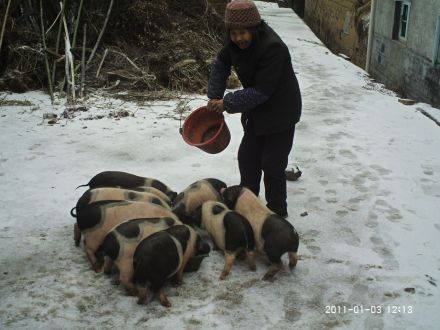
{"points": [[241, 14]]}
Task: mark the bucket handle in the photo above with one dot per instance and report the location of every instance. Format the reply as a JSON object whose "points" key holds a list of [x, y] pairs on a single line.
{"points": [[181, 108]]}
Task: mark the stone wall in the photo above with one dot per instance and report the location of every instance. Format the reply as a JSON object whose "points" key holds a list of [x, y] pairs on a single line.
{"points": [[342, 25]]}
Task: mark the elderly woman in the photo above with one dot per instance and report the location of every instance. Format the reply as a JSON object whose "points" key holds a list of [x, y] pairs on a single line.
{"points": [[269, 103]]}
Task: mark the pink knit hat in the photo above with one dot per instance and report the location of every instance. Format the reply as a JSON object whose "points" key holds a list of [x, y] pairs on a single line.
{"points": [[241, 14]]}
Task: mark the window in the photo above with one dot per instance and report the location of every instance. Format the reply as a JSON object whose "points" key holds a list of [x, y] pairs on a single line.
{"points": [[401, 18]]}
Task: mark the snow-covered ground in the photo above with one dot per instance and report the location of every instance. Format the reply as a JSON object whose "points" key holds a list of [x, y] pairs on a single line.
{"points": [[367, 209]]}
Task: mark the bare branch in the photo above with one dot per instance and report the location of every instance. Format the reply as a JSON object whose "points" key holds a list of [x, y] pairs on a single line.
{"points": [[100, 34], [101, 63], [55, 20]]}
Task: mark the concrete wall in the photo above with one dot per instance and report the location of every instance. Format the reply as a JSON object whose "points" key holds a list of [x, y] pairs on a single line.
{"points": [[407, 66], [341, 24]]}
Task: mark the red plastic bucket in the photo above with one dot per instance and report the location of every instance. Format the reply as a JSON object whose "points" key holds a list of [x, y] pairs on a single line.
{"points": [[206, 130]]}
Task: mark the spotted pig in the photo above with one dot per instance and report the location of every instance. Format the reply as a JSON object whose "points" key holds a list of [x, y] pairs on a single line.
{"points": [[120, 243], [230, 231], [117, 194], [97, 219], [161, 256], [195, 195], [274, 235], [127, 180]]}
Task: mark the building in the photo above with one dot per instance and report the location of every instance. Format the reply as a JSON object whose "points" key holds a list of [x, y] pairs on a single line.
{"points": [[405, 44]]}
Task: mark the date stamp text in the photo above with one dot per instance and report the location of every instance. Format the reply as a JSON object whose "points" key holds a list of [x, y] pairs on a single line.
{"points": [[372, 309]]}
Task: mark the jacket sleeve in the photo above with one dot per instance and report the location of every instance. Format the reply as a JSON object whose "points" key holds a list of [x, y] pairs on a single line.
{"points": [[218, 77], [243, 100]]}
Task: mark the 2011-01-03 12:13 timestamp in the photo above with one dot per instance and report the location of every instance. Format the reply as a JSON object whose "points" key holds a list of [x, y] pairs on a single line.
{"points": [[373, 309]]}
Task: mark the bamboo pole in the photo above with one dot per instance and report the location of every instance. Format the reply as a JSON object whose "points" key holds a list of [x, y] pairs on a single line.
{"points": [[83, 62], [69, 61], [46, 60], [4, 24], [101, 63], [67, 74], [100, 35], [54, 22], [76, 24], [57, 44]]}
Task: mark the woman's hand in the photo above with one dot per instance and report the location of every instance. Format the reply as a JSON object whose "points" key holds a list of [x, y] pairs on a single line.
{"points": [[216, 105]]}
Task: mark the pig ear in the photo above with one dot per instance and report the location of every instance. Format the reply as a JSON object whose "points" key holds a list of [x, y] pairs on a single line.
{"points": [[204, 247], [222, 197], [172, 195]]}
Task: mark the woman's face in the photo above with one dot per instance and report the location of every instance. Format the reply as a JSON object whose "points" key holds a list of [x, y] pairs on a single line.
{"points": [[241, 37]]}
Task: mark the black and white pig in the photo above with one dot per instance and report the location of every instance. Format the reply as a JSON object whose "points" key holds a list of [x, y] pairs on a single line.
{"points": [[156, 192], [111, 194], [161, 256], [120, 243], [274, 235], [230, 231], [117, 194], [195, 195], [97, 219], [127, 180]]}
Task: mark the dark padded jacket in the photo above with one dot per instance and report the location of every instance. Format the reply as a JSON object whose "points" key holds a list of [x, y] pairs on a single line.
{"points": [[270, 101]]}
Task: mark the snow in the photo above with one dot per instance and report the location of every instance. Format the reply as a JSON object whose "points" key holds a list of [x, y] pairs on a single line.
{"points": [[370, 187]]}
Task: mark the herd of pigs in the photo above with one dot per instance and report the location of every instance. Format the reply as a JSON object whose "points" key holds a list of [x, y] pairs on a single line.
{"points": [[145, 231]]}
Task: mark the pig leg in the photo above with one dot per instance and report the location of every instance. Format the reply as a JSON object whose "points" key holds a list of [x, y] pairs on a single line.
{"points": [[99, 267], [178, 279], [126, 282], [108, 264], [163, 298], [275, 247], [229, 261], [143, 296], [214, 246], [76, 234], [293, 259], [275, 267], [173, 280], [92, 258], [251, 256]]}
